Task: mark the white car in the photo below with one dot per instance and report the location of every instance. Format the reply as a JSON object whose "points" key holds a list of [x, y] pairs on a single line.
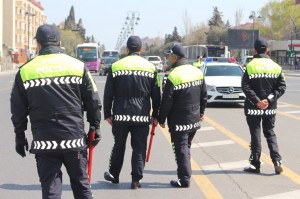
{"points": [[156, 60], [245, 61], [223, 82]]}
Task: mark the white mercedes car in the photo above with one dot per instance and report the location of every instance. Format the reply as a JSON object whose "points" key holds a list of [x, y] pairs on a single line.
{"points": [[223, 82]]}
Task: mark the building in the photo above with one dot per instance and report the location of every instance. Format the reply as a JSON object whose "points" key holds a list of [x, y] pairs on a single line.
{"points": [[279, 52], [29, 16], [1, 32], [19, 22]]}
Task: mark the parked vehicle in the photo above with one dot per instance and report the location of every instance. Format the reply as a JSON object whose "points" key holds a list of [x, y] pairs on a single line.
{"points": [[156, 60], [223, 82], [245, 61]]}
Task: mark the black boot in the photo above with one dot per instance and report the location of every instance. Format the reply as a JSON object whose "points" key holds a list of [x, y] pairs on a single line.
{"points": [[136, 185], [179, 184], [111, 178], [252, 169], [278, 168]]}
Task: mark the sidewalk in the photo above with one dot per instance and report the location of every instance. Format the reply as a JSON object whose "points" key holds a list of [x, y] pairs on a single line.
{"points": [[291, 72], [10, 71]]}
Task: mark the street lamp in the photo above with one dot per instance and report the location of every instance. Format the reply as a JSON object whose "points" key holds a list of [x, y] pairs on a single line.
{"points": [[292, 49], [253, 17], [132, 19], [29, 14]]}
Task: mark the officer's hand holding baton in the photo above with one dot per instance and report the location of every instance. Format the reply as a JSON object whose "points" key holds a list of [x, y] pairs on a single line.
{"points": [[109, 120], [201, 117]]}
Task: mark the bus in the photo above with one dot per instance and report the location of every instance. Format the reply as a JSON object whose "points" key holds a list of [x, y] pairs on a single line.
{"points": [[193, 51], [111, 53], [89, 53], [218, 51]]}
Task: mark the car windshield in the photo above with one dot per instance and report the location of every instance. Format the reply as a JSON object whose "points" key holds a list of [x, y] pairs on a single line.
{"points": [[109, 60], [153, 59], [249, 59], [223, 71]]}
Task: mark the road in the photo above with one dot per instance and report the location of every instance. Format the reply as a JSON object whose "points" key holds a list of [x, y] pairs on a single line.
{"points": [[219, 153]]}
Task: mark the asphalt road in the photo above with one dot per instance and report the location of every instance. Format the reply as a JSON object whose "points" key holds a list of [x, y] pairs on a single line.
{"points": [[219, 153]]}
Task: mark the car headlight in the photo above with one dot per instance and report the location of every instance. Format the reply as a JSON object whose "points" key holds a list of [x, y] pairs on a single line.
{"points": [[210, 87]]}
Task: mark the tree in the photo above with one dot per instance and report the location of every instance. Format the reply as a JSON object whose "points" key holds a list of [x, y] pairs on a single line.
{"points": [[93, 39], [70, 21], [80, 28], [216, 19], [238, 15], [217, 34], [187, 26], [278, 19], [197, 35], [70, 40], [175, 37]]}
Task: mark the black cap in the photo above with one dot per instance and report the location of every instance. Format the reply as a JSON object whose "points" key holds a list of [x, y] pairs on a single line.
{"points": [[260, 45], [177, 49], [47, 33], [134, 43]]}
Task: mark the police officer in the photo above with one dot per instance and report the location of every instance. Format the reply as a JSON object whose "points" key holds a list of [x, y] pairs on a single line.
{"points": [[198, 63], [263, 83], [54, 89], [183, 104], [131, 84]]}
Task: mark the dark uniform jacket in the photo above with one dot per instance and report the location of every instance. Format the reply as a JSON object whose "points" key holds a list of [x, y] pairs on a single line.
{"points": [[184, 98], [131, 83], [54, 89], [263, 79]]}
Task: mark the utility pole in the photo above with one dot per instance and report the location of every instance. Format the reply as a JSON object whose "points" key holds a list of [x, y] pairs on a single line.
{"points": [[29, 14], [292, 46], [253, 17]]}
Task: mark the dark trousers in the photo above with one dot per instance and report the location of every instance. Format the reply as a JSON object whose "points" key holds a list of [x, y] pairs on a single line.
{"points": [[181, 142], [49, 170], [268, 124], [139, 136]]}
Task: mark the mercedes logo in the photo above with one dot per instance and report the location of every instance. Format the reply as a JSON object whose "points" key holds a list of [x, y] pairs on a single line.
{"points": [[230, 90]]}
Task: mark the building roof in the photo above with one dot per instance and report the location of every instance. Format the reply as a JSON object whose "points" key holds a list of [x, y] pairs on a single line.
{"points": [[37, 4], [244, 26]]}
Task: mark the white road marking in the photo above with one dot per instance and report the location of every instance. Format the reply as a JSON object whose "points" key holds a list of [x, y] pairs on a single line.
{"points": [[226, 166], [287, 195], [208, 144], [208, 128], [291, 112], [282, 105]]}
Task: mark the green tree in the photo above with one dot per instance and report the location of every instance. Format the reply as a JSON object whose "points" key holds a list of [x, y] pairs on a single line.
{"points": [[70, 21], [217, 34], [80, 28], [216, 19], [278, 19], [174, 37], [69, 40], [197, 36]]}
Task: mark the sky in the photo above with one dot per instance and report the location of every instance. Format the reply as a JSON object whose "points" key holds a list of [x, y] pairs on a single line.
{"points": [[105, 19]]}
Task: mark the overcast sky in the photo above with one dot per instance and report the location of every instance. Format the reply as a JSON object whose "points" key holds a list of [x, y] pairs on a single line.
{"points": [[104, 19]]}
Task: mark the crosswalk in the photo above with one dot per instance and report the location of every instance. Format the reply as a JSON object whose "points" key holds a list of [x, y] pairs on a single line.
{"points": [[224, 167]]}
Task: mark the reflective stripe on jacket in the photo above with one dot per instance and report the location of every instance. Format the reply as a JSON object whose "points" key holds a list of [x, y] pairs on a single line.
{"points": [[54, 90], [184, 98], [131, 83], [263, 79]]}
